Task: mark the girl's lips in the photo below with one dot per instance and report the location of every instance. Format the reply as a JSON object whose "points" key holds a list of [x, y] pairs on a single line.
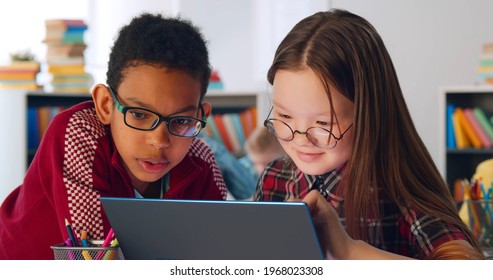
{"points": [[308, 157], [153, 166]]}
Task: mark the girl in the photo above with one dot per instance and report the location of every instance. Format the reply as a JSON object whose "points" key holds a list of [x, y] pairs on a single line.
{"points": [[339, 114]]}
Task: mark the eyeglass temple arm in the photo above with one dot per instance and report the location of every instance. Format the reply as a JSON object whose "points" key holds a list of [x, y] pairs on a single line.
{"points": [[204, 118], [118, 105]]}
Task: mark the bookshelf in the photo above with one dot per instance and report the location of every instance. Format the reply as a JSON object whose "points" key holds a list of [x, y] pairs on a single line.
{"points": [[461, 163], [226, 102], [15, 155]]}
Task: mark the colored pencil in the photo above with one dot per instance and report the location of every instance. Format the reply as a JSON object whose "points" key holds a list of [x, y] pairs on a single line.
{"points": [[106, 243], [83, 240], [71, 234]]}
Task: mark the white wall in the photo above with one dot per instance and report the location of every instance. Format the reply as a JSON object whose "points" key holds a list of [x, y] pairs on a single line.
{"points": [[105, 20], [22, 23], [432, 43]]}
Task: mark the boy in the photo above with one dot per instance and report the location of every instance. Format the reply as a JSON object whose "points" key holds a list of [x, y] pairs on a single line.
{"points": [[135, 139]]}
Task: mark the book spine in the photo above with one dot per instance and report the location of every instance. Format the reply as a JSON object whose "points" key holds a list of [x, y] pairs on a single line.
{"points": [[32, 128], [238, 128], [468, 130], [460, 138], [218, 120], [231, 131], [214, 131], [483, 121], [485, 140], [451, 143]]}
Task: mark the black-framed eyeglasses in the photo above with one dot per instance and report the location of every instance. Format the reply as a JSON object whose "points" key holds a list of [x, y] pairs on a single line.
{"points": [[318, 136], [146, 120]]}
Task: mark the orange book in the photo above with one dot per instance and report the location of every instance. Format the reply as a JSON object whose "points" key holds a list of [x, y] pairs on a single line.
{"points": [[26, 75], [250, 121], [460, 137], [66, 69], [218, 120], [255, 116], [44, 119], [244, 120]]}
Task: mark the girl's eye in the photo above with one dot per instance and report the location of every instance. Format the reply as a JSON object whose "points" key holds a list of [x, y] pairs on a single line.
{"points": [[323, 123], [283, 116]]}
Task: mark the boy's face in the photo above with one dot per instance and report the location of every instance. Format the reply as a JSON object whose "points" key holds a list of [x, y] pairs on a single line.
{"points": [[149, 155], [301, 102]]}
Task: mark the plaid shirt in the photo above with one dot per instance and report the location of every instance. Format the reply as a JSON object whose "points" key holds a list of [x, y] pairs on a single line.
{"points": [[401, 231]]}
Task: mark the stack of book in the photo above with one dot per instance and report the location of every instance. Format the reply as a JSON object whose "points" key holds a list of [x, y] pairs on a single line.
{"points": [[485, 69], [65, 55], [19, 75], [468, 128]]}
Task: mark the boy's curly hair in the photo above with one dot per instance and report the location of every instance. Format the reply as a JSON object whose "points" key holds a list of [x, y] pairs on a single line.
{"points": [[151, 39]]}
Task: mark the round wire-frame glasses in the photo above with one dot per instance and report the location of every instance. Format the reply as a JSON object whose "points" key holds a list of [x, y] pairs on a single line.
{"points": [[146, 120], [318, 136]]}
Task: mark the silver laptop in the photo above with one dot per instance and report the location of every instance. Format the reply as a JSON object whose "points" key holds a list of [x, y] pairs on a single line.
{"points": [[152, 229]]}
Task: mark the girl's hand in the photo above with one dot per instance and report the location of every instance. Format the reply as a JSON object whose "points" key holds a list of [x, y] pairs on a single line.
{"points": [[332, 236]]}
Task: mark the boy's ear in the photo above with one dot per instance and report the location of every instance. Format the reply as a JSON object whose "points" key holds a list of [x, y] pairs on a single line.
{"points": [[103, 103], [207, 108]]}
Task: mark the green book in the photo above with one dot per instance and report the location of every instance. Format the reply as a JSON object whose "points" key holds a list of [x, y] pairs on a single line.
{"points": [[483, 120]]}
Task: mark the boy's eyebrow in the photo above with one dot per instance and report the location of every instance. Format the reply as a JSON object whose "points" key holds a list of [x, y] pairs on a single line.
{"points": [[188, 108]]}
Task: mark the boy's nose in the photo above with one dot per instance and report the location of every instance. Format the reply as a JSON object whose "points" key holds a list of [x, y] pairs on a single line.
{"points": [[159, 137]]}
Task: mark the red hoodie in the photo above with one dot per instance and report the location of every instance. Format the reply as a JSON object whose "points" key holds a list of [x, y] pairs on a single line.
{"points": [[75, 165]]}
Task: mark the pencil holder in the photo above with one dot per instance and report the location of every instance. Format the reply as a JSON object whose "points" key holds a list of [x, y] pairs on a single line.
{"points": [[93, 252], [480, 215]]}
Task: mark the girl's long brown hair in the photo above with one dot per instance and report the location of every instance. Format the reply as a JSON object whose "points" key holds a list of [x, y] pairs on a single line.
{"points": [[346, 51]]}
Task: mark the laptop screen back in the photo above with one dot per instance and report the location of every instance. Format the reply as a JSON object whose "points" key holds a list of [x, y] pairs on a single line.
{"points": [[214, 230]]}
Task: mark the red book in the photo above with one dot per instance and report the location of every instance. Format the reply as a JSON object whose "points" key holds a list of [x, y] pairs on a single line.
{"points": [[218, 120]]}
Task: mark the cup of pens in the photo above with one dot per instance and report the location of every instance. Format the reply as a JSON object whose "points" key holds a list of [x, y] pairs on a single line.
{"points": [[84, 249], [480, 212], [93, 251]]}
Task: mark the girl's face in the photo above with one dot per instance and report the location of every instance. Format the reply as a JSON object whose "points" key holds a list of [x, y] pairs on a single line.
{"points": [[301, 102], [149, 155]]}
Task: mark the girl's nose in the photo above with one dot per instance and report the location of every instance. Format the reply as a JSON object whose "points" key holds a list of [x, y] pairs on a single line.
{"points": [[300, 138]]}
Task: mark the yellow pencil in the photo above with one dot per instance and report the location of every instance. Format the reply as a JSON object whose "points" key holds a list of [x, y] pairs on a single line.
{"points": [[110, 254], [83, 239]]}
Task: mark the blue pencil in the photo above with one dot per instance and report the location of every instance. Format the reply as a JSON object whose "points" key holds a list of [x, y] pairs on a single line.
{"points": [[71, 234]]}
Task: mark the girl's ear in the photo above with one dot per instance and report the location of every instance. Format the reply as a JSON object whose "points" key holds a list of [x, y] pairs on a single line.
{"points": [[103, 102], [207, 108]]}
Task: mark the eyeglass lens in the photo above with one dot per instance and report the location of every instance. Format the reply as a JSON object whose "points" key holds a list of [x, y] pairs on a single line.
{"points": [[147, 120], [317, 136]]}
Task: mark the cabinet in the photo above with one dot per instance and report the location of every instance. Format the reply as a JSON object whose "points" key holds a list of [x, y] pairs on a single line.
{"points": [[461, 163], [15, 156]]}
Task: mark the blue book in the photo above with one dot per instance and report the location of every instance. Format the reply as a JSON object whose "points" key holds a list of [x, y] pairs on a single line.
{"points": [[238, 128], [451, 143], [32, 128]]}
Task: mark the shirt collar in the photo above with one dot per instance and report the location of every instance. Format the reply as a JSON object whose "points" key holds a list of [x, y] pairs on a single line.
{"points": [[326, 183]]}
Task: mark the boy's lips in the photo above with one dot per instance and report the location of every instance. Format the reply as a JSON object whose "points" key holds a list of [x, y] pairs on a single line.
{"points": [[153, 166]]}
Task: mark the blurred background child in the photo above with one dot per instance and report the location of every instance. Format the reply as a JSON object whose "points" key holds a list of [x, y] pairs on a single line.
{"points": [[241, 173], [261, 148]]}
